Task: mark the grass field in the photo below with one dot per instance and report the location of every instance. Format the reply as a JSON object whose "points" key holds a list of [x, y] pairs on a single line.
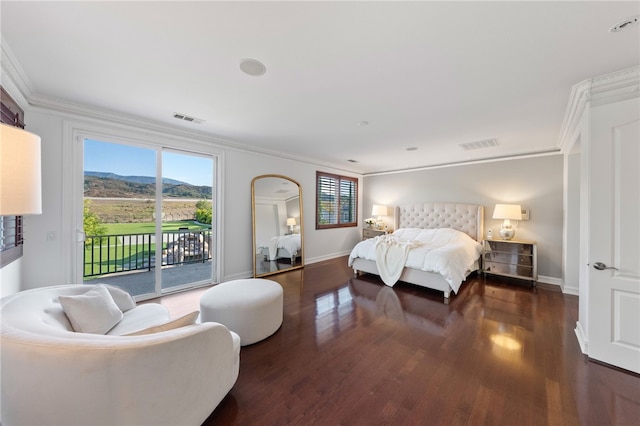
{"points": [[150, 227], [110, 259]]}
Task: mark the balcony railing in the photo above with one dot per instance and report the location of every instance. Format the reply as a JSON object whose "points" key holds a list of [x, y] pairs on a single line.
{"points": [[109, 254]]}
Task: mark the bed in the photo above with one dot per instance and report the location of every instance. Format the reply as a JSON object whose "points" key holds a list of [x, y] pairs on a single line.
{"points": [[282, 247], [435, 218]]}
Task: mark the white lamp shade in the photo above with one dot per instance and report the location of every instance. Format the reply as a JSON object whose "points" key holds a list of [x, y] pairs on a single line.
{"points": [[508, 211], [379, 210], [20, 172], [291, 221]]}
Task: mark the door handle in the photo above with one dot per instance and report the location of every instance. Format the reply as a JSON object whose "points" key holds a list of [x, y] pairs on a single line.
{"points": [[601, 266]]}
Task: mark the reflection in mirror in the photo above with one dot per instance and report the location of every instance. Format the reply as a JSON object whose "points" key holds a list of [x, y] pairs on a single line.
{"points": [[276, 206]]}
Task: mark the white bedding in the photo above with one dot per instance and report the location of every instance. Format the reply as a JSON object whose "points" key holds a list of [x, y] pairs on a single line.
{"points": [[291, 243], [445, 251]]}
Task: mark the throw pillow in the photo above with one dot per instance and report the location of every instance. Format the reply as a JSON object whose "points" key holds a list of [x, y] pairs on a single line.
{"points": [[92, 312], [123, 299], [184, 320]]}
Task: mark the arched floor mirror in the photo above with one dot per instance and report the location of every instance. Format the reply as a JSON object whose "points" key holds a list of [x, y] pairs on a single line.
{"points": [[276, 207]]}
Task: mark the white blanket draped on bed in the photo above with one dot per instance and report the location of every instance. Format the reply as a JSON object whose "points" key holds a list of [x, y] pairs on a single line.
{"points": [[445, 251], [391, 255]]}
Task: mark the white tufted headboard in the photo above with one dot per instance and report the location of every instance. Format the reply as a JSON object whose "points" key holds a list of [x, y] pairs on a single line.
{"points": [[468, 218]]}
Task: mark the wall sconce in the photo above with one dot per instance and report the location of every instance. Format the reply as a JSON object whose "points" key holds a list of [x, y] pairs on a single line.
{"points": [[20, 172], [379, 211], [508, 212], [291, 222]]}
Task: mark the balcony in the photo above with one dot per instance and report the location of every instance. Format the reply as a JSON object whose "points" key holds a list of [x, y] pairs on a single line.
{"points": [[129, 261]]}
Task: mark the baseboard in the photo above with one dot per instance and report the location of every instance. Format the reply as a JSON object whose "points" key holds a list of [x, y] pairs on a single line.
{"points": [[238, 276], [309, 261], [558, 281], [549, 280], [571, 290], [582, 339]]}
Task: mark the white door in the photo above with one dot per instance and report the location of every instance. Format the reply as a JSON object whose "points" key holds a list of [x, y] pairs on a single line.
{"points": [[614, 241]]}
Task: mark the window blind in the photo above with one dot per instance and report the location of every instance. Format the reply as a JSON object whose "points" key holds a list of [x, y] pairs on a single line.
{"points": [[336, 201]]}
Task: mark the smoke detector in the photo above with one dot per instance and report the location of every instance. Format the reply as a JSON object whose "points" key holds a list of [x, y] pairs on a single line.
{"points": [[625, 24]]}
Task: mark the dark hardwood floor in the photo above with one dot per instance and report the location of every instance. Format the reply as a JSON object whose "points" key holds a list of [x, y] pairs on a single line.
{"points": [[353, 351]]}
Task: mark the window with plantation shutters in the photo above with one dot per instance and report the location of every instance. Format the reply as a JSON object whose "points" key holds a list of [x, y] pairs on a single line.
{"points": [[336, 201], [11, 235]]}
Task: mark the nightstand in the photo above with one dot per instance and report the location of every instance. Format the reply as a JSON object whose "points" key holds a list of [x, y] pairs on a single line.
{"points": [[511, 258], [371, 232]]}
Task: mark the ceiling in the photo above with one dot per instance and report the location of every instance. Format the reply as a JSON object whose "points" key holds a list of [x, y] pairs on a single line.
{"points": [[423, 75]]}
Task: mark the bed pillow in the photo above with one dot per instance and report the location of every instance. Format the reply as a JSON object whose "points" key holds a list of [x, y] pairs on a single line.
{"points": [[92, 312], [183, 321]]}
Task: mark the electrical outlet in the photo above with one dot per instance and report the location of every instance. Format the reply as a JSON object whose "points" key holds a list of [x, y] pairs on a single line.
{"points": [[51, 235]]}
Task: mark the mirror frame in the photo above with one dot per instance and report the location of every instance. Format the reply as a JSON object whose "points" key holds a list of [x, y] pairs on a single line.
{"points": [[253, 225]]}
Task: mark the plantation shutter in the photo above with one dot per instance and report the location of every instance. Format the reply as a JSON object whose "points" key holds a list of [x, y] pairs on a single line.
{"points": [[336, 201], [11, 231]]}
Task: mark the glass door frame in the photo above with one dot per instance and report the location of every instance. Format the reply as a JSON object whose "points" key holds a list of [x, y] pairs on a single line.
{"points": [[74, 135]]}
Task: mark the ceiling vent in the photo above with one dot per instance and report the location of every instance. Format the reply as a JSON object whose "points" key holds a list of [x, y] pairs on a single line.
{"points": [[487, 143], [187, 118]]}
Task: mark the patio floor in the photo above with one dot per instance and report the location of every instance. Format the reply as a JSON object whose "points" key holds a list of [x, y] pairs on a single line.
{"points": [[173, 277]]}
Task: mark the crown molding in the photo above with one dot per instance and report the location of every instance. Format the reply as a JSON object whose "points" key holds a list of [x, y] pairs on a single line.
{"points": [[78, 111], [13, 77], [601, 90], [17, 83]]}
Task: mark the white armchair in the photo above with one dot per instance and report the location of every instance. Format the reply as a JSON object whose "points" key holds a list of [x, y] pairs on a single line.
{"points": [[53, 375]]}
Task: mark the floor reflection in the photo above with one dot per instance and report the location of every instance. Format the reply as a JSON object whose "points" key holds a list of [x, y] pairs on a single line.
{"points": [[269, 266], [423, 313], [353, 351]]}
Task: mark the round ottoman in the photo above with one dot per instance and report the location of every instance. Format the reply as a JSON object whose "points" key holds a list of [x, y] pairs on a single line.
{"points": [[251, 307]]}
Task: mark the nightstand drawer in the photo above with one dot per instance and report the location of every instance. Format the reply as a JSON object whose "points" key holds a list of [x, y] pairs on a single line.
{"points": [[500, 246], [370, 233], [519, 271], [513, 259]]}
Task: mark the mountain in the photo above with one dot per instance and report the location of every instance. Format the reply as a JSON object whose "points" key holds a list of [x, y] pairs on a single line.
{"points": [[135, 179], [108, 187]]}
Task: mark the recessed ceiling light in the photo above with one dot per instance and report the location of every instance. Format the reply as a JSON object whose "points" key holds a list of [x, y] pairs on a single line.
{"points": [[412, 148], [625, 24], [252, 67]]}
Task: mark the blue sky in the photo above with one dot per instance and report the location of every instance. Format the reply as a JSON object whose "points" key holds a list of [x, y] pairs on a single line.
{"points": [[129, 160]]}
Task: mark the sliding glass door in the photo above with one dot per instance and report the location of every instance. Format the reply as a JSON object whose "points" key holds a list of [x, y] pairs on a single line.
{"points": [[187, 216], [147, 217]]}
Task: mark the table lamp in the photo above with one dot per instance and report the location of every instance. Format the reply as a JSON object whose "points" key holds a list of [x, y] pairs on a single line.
{"points": [[20, 172], [508, 212]]}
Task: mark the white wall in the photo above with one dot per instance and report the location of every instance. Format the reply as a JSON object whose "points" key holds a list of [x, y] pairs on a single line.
{"points": [[535, 183], [46, 261], [572, 221], [10, 278]]}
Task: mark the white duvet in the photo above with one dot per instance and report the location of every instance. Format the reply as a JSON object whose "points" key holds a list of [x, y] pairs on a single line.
{"points": [[291, 243], [445, 251]]}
